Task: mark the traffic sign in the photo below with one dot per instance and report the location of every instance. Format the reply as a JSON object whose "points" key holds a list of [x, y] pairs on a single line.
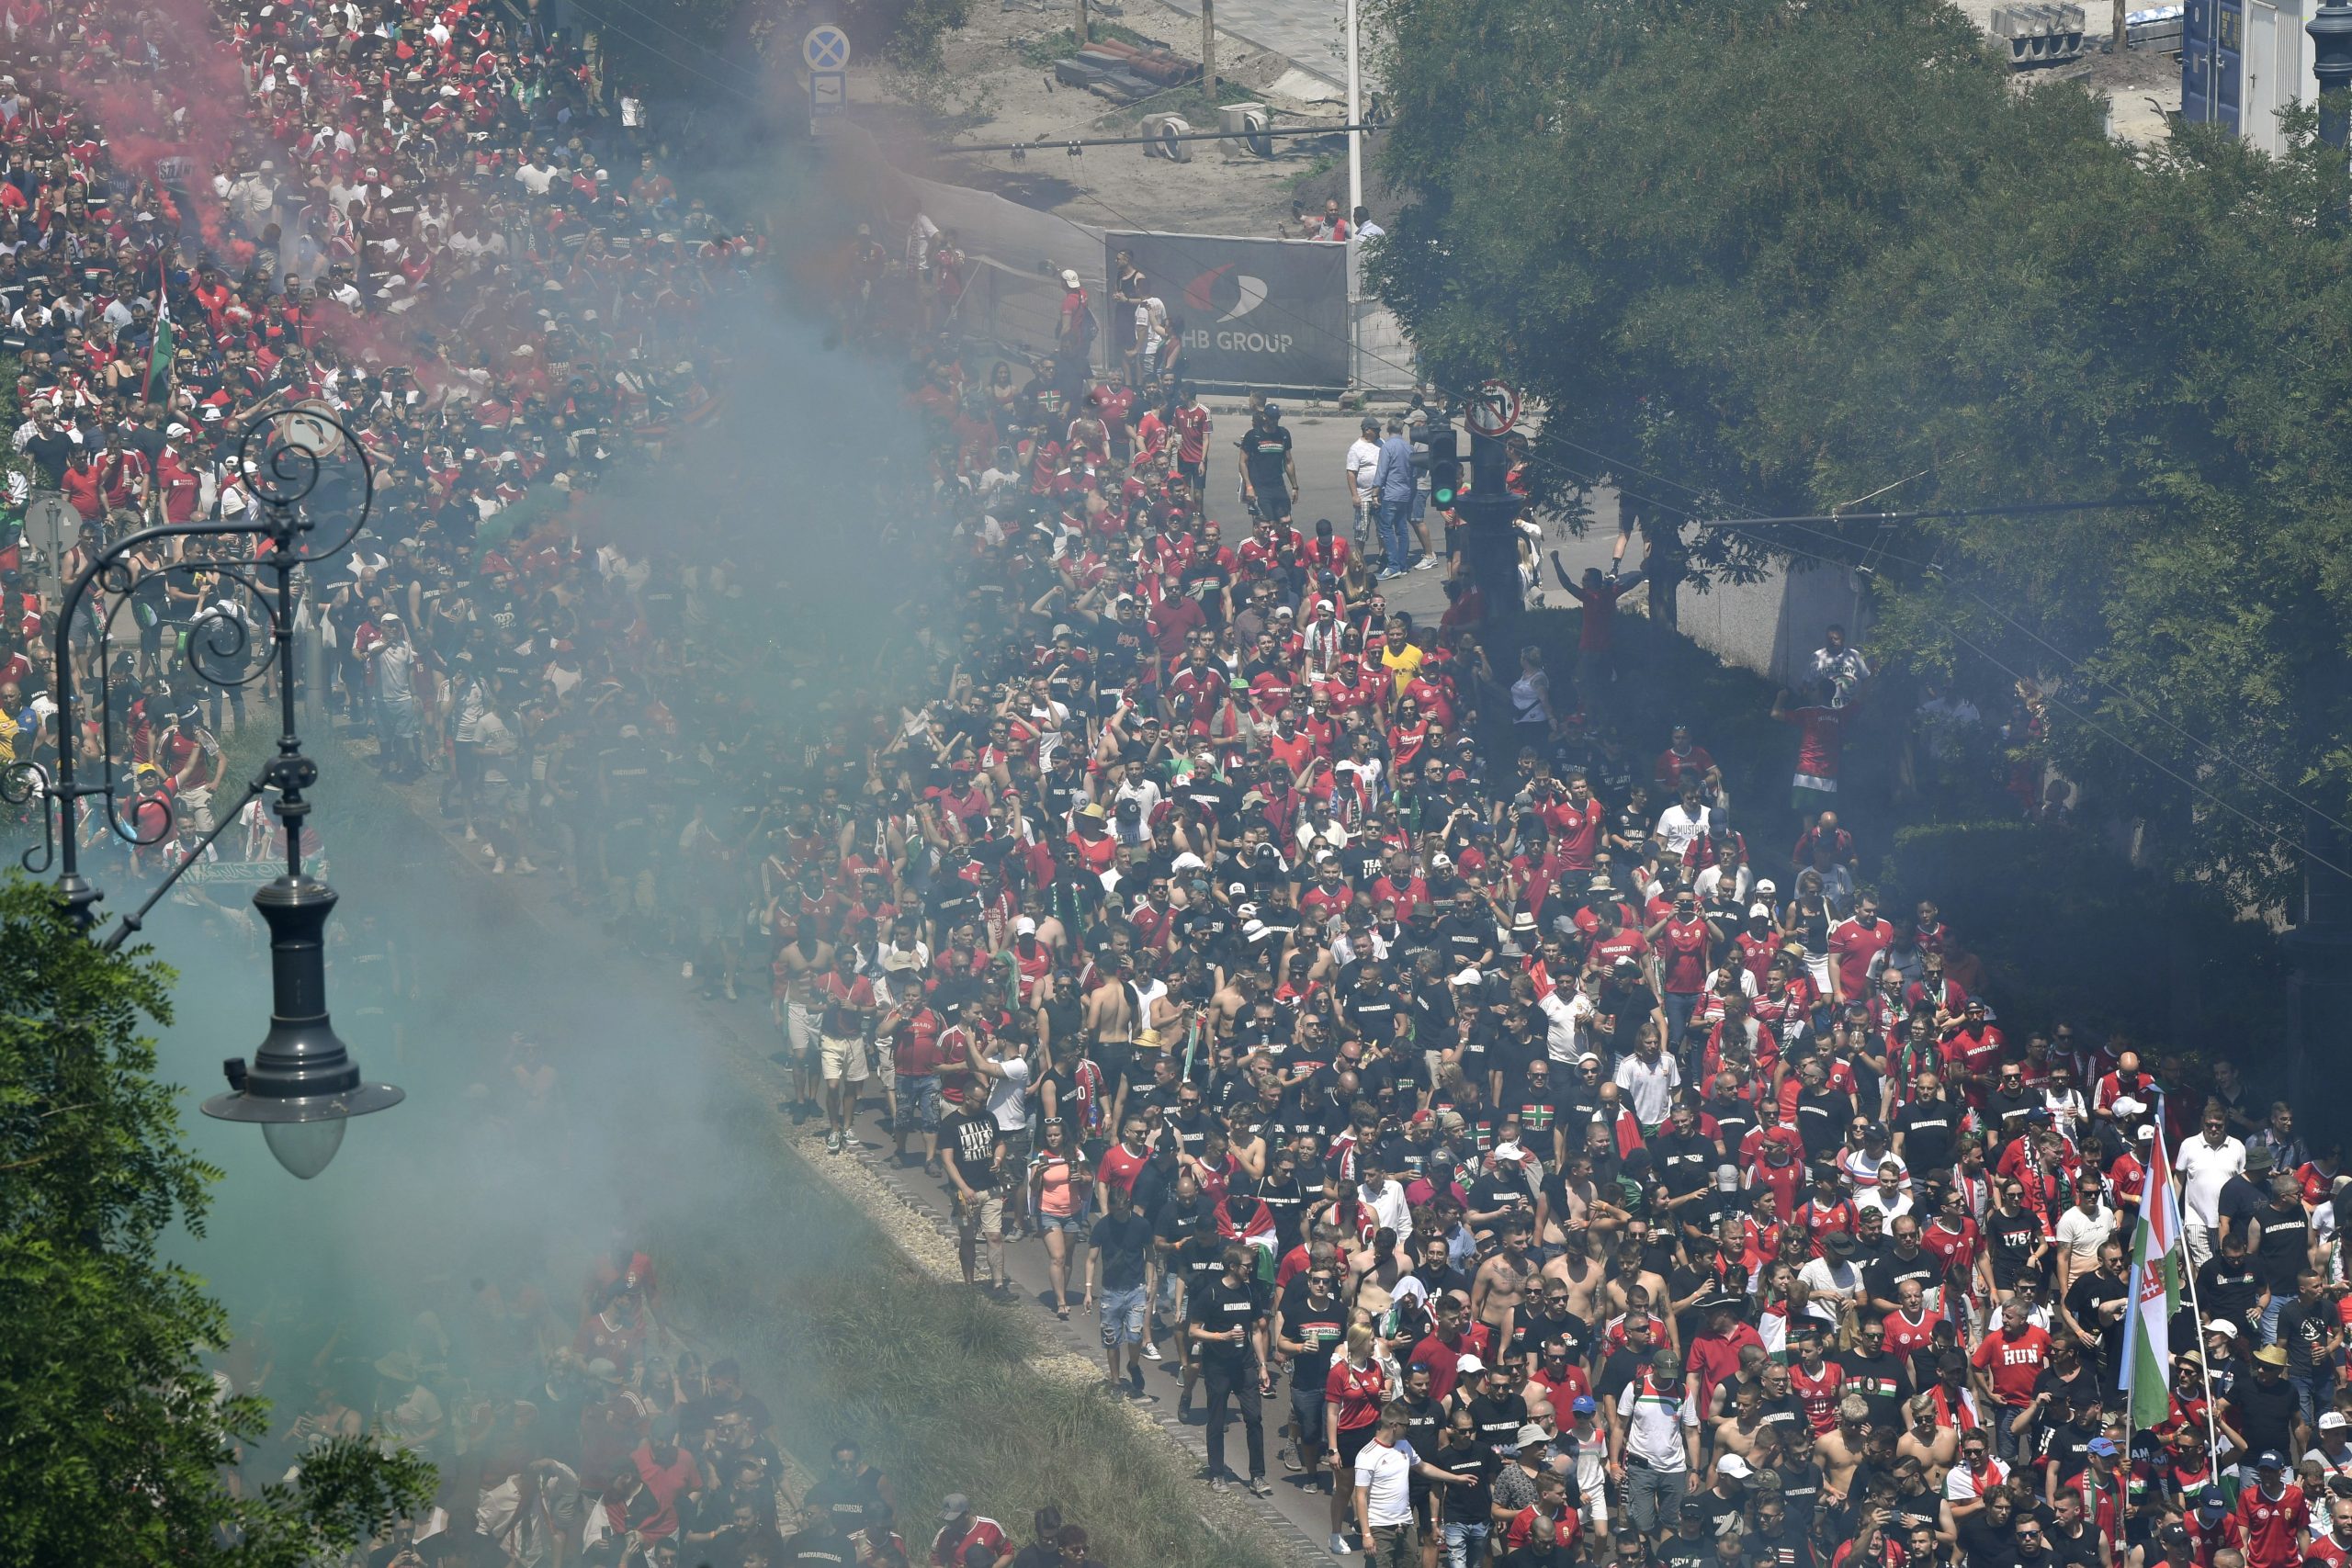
{"points": [[52, 527], [826, 48], [828, 98], [1492, 409]]}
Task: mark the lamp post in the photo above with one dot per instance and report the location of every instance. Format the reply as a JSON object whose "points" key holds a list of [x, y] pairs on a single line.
{"points": [[298, 463], [2331, 31]]}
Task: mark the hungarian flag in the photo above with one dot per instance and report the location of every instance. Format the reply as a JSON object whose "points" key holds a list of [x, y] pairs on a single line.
{"points": [[2157, 1264], [159, 364]]}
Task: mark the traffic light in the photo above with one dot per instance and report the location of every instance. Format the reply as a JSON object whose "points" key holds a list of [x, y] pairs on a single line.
{"points": [[1445, 465]]}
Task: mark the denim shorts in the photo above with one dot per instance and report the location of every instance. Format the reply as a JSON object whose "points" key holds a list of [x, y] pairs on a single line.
{"points": [[1073, 1223], [918, 1097], [1123, 1316]]}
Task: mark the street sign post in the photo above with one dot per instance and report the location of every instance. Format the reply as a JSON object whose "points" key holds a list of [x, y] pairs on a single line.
{"points": [[826, 48], [828, 95], [1492, 409], [52, 527]]}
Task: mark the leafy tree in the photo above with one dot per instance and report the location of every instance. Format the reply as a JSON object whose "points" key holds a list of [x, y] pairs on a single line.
{"points": [[1754, 258], [116, 1438]]}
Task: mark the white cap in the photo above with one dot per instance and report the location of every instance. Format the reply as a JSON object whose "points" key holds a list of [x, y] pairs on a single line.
{"points": [[1071, 279], [1469, 1364], [1188, 860], [2147, 1134], [1441, 862], [2334, 1421], [1760, 911], [1024, 926], [1509, 1149], [2127, 1106], [1469, 976], [1734, 1466], [2228, 1330]]}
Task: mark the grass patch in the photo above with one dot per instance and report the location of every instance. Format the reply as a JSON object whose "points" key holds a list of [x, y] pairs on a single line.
{"points": [[1322, 164]]}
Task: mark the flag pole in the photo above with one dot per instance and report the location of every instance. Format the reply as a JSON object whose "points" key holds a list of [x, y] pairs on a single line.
{"points": [[2195, 1312]]}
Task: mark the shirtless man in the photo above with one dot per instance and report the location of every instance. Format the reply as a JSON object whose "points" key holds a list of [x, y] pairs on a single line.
{"points": [[1843, 1447], [1501, 1284], [1576, 1266], [1109, 1021], [1737, 1433], [1231, 1001], [1936, 1446], [798, 966], [1583, 1209]]}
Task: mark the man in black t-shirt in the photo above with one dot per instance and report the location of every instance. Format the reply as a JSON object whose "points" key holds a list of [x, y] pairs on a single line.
{"points": [[1120, 1244], [1269, 470], [2094, 1306], [1227, 1328], [973, 1153], [1309, 1324]]}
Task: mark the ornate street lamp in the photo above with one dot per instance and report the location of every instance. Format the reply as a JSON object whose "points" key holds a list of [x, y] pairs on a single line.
{"points": [[301, 465]]}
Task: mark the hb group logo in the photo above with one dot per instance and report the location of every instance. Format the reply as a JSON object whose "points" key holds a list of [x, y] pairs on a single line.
{"points": [[1252, 312], [1246, 292]]}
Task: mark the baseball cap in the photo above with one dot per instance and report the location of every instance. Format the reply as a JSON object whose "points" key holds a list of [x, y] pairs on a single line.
{"points": [[2175, 1534], [2333, 1421], [2214, 1498], [2269, 1458], [1467, 1365], [1583, 1405], [1070, 278], [2223, 1326], [1024, 926], [955, 1506], [2103, 1447], [1734, 1466], [1760, 911]]}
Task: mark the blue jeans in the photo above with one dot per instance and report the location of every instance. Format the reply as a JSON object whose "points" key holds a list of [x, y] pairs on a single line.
{"points": [[1679, 1006], [1394, 537], [2267, 1324], [1465, 1543], [2311, 1390]]}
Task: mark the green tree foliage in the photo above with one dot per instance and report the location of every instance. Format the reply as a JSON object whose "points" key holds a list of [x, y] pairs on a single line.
{"points": [[116, 1439], [1771, 258]]}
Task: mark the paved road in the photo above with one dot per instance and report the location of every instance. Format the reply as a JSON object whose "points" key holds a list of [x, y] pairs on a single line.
{"points": [[1309, 32], [1321, 443]]}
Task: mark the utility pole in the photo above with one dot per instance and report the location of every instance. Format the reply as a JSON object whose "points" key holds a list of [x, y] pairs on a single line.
{"points": [[1079, 28], [1208, 49], [2121, 43]]}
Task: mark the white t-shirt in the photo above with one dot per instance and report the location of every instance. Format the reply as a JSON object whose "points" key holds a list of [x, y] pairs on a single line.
{"points": [[2203, 1168], [1649, 1087], [1678, 828], [1009, 1096], [2083, 1235], [1385, 1475], [1655, 1418], [1363, 461]]}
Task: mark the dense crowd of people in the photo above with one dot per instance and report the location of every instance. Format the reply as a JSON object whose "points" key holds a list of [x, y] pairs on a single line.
{"points": [[1367, 1035]]}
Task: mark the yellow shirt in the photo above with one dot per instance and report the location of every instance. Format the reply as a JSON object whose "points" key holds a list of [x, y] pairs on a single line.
{"points": [[1401, 663]]}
